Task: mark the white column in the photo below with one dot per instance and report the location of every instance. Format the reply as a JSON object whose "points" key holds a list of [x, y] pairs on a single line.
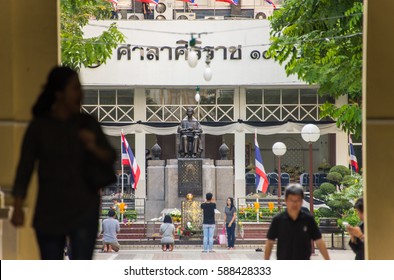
{"points": [[239, 148], [242, 103], [341, 142], [140, 115], [239, 164], [237, 106]]}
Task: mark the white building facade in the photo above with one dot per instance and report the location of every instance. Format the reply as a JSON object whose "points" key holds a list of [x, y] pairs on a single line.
{"points": [[146, 86]]}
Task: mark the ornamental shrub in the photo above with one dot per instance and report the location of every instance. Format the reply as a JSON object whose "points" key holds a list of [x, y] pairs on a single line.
{"points": [[334, 177], [327, 188], [341, 169]]}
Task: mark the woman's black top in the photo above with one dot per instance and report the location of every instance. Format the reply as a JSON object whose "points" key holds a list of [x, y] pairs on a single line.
{"points": [[64, 200]]}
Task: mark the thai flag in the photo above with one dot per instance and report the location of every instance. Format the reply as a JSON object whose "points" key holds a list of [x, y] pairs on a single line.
{"points": [[353, 159], [191, 2], [261, 176], [270, 2], [234, 2], [129, 159], [149, 1]]}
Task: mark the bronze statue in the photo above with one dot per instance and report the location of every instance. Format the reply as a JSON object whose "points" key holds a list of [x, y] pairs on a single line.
{"points": [[190, 136]]}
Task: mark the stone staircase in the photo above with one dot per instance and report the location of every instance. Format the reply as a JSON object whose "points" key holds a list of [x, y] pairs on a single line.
{"points": [[138, 234]]}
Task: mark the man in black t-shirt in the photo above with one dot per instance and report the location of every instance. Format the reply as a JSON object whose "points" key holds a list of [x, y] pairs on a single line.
{"points": [[208, 226], [294, 229]]}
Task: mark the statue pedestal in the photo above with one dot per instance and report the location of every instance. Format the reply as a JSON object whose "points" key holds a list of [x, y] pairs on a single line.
{"points": [[224, 183], [197, 175], [155, 198]]}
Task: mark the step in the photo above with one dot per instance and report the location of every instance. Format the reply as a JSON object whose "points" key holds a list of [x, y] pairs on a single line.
{"points": [[140, 242]]}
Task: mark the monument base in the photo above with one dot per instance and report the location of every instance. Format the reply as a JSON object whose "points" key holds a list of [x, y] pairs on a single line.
{"points": [[164, 188]]}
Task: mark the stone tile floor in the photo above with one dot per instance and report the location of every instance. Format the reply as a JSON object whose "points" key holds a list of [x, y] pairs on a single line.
{"points": [[196, 254]]}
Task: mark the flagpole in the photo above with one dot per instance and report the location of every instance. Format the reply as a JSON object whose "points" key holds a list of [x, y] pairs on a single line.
{"points": [[255, 137], [134, 17], [121, 158], [349, 155]]}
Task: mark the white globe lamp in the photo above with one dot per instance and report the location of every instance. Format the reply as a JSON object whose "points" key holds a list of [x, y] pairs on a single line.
{"points": [[192, 58], [207, 73], [197, 97], [310, 133], [279, 149]]}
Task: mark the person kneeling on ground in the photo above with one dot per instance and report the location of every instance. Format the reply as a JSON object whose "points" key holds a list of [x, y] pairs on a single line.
{"points": [[111, 228], [167, 231]]}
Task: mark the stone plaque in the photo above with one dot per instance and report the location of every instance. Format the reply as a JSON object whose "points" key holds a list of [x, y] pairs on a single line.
{"points": [[189, 177]]}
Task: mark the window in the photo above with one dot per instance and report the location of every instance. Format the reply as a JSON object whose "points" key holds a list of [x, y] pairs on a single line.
{"points": [[298, 104], [109, 105], [169, 105]]}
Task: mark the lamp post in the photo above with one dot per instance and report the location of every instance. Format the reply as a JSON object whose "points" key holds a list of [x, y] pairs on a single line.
{"points": [[310, 133], [279, 149]]}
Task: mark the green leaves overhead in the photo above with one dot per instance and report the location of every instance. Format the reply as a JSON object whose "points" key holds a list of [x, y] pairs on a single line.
{"points": [[78, 51], [320, 41]]}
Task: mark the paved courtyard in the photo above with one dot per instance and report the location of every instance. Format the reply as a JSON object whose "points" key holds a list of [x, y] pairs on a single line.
{"points": [[194, 253]]}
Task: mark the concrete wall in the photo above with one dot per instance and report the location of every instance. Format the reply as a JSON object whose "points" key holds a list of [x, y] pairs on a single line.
{"points": [[29, 49], [378, 128]]}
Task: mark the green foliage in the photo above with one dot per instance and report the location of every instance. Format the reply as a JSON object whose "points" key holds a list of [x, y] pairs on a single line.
{"points": [[352, 192], [341, 202], [324, 191], [351, 217], [319, 194], [78, 51], [130, 215], [327, 188], [325, 212], [341, 169], [339, 205], [321, 43], [348, 180], [334, 177], [249, 214]]}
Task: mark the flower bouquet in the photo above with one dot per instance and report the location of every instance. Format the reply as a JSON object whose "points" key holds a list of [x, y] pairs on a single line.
{"points": [[187, 231], [176, 215]]}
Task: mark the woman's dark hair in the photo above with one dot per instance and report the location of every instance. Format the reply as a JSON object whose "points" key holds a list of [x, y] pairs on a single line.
{"points": [[208, 196], [57, 80], [294, 189], [359, 205], [231, 202], [167, 219]]}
